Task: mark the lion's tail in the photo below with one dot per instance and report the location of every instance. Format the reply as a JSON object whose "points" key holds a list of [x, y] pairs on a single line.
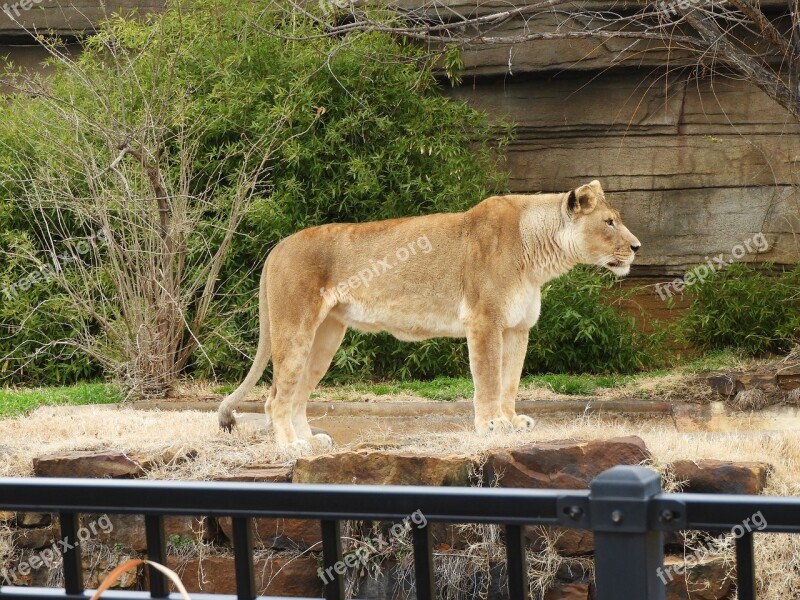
{"points": [[226, 419]]}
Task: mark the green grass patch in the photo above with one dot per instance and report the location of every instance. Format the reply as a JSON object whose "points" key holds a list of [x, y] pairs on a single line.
{"points": [[718, 360], [225, 388], [575, 385], [14, 402], [452, 388], [441, 388]]}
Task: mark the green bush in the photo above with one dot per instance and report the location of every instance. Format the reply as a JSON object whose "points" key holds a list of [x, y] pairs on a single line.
{"points": [[581, 331], [742, 308], [31, 316]]}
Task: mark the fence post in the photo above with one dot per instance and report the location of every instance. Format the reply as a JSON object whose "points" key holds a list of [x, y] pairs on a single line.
{"points": [[628, 557]]}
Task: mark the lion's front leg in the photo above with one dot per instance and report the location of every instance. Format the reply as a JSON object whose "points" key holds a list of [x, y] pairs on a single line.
{"points": [[485, 345], [515, 347]]}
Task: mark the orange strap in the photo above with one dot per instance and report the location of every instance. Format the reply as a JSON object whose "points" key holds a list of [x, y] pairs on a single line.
{"points": [[118, 571]]}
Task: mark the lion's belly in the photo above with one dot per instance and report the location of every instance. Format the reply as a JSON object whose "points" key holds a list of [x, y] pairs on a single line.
{"points": [[425, 319], [428, 322]]}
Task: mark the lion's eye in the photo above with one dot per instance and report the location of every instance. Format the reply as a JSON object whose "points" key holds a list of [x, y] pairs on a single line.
{"points": [[610, 222]]}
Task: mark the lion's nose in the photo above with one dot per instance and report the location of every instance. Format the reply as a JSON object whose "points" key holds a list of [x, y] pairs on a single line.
{"points": [[635, 247]]}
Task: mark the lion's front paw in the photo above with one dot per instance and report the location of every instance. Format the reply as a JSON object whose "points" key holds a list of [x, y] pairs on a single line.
{"points": [[323, 440], [495, 425], [523, 423], [300, 447]]}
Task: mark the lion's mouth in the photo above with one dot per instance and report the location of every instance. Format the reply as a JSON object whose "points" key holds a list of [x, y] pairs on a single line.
{"points": [[614, 263]]}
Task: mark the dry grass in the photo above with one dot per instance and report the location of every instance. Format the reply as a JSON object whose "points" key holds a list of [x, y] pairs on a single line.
{"points": [[55, 429], [7, 550], [793, 397], [753, 399]]}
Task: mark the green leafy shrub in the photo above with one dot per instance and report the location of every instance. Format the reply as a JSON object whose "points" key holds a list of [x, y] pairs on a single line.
{"points": [[28, 321], [581, 331], [742, 308]]}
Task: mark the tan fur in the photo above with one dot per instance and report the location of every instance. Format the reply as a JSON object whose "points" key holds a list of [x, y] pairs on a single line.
{"points": [[476, 274]]}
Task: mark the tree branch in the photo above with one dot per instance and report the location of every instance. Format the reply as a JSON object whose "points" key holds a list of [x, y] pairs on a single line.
{"points": [[731, 54]]}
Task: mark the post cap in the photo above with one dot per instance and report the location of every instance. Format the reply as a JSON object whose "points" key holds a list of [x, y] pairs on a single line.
{"points": [[625, 481]]}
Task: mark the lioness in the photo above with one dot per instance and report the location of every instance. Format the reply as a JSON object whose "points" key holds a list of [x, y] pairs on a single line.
{"points": [[475, 274]]}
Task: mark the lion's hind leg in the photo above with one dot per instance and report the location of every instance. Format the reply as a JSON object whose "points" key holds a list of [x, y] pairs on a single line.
{"points": [[302, 333], [327, 340], [292, 347], [268, 406]]}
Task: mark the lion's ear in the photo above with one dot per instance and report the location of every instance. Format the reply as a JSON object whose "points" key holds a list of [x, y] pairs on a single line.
{"points": [[584, 199]]}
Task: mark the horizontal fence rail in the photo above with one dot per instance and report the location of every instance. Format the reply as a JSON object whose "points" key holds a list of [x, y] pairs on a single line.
{"points": [[624, 507]]}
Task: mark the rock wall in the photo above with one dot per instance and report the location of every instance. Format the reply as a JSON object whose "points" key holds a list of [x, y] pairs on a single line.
{"points": [[64, 18], [695, 167], [288, 550]]}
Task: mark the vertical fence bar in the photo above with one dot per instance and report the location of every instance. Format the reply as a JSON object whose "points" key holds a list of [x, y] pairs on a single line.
{"points": [[157, 552], [745, 568], [243, 556], [516, 563], [423, 563], [71, 553], [628, 557], [332, 560]]}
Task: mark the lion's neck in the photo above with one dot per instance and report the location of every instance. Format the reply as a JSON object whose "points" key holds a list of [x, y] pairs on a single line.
{"points": [[548, 251]]}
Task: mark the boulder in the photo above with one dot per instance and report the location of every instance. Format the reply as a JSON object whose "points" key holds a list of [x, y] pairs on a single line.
{"points": [[274, 576], [729, 384], [128, 530], [384, 468], [100, 465], [33, 570], [721, 477], [104, 464], [97, 567], [35, 537], [561, 464], [279, 534], [568, 591], [74, 19], [789, 377], [709, 578], [260, 474], [33, 519]]}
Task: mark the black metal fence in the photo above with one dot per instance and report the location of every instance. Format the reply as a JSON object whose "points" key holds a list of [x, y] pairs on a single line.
{"points": [[624, 507]]}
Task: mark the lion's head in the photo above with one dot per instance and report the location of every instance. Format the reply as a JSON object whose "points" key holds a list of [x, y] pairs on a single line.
{"points": [[597, 231]]}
